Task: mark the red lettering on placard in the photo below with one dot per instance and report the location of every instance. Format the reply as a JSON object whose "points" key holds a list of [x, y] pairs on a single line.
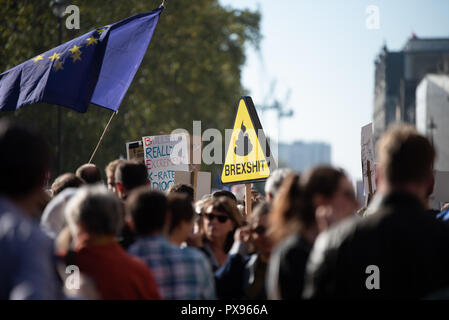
{"points": [[149, 164], [147, 141]]}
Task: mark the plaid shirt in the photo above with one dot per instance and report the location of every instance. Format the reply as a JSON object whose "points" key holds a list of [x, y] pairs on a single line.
{"points": [[181, 274]]}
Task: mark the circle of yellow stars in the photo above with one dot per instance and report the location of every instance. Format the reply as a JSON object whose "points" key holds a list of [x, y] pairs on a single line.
{"points": [[75, 51]]}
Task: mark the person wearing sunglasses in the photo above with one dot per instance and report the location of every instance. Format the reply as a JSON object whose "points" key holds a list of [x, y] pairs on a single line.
{"points": [[220, 220], [243, 275]]}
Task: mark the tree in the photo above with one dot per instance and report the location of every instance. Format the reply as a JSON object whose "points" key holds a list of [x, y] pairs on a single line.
{"points": [[191, 71]]}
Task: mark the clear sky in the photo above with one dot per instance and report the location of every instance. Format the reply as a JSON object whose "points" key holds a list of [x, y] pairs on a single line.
{"points": [[323, 51]]}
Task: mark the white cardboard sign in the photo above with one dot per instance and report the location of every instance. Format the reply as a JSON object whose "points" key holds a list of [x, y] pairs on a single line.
{"points": [[164, 155]]}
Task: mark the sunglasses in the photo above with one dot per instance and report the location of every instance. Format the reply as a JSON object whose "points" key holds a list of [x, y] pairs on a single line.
{"points": [[260, 230], [220, 218]]}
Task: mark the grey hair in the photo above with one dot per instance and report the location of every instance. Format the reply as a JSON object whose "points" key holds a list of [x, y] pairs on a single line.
{"points": [[275, 180], [97, 209], [199, 205]]}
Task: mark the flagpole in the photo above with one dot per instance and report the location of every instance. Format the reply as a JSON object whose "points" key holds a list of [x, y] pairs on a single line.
{"points": [[59, 123], [101, 138]]}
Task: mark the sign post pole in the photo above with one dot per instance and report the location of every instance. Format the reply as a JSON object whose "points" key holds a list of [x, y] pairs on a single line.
{"points": [[248, 200], [370, 184]]}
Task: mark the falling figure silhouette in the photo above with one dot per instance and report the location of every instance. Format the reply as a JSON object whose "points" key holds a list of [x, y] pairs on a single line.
{"points": [[243, 145]]}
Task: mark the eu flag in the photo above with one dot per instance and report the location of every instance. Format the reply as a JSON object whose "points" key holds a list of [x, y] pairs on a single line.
{"points": [[97, 68]]}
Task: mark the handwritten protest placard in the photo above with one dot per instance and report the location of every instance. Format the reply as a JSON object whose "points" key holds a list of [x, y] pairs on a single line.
{"points": [[164, 155]]}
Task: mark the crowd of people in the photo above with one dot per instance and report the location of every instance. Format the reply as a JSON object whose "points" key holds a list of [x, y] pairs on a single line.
{"points": [[82, 236]]}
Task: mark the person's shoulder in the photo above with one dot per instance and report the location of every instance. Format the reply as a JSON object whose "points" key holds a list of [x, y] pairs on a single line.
{"points": [[293, 247], [334, 237], [130, 260], [11, 224], [136, 263], [137, 248], [398, 208], [441, 226], [195, 253], [329, 243], [195, 256], [294, 242], [144, 244], [187, 253], [21, 230]]}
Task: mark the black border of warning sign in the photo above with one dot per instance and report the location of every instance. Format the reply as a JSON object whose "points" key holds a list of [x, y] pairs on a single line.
{"points": [[257, 126]]}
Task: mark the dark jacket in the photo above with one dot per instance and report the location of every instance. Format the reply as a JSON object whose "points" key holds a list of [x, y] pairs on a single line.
{"points": [[287, 266], [409, 247], [240, 271]]}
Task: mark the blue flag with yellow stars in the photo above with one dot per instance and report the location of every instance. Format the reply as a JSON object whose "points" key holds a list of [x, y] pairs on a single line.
{"points": [[97, 68]]}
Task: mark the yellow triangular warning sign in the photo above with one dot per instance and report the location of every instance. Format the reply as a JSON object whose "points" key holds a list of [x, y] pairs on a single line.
{"points": [[245, 159]]}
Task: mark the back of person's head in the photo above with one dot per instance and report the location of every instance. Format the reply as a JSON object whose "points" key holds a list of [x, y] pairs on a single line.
{"points": [[64, 181], [97, 209], [405, 156], [180, 208], [25, 160], [295, 206], [148, 210], [110, 172], [322, 180], [288, 209], [274, 182], [184, 189], [328, 188], [224, 193], [89, 173], [131, 174]]}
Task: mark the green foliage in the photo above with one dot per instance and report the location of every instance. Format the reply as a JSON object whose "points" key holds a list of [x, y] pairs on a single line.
{"points": [[191, 71]]}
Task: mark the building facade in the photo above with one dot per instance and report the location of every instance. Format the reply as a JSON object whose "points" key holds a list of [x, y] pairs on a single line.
{"points": [[301, 156], [432, 115], [397, 75]]}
